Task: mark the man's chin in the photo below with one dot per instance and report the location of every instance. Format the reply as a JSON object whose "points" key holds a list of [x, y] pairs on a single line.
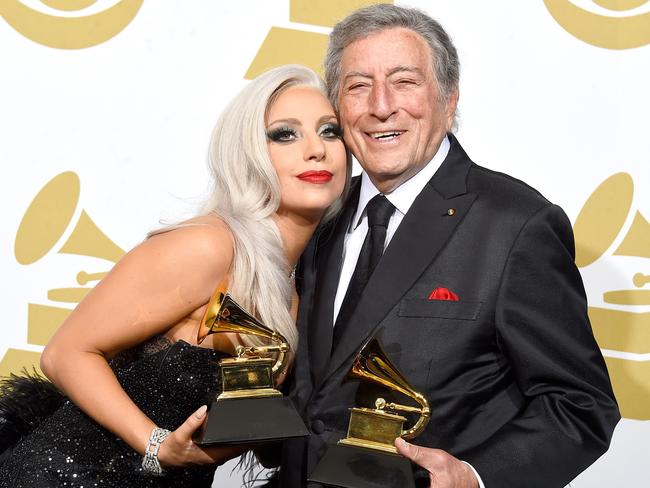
{"points": [[387, 181]]}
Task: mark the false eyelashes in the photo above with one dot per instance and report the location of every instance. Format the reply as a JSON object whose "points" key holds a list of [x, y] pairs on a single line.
{"points": [[285, 134]]}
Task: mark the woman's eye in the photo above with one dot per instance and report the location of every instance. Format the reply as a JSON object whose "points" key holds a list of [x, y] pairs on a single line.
{"points": [[282, 134], [331, 131]]}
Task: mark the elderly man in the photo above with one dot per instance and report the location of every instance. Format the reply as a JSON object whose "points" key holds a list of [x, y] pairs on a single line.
{"points": [[476, 296]]}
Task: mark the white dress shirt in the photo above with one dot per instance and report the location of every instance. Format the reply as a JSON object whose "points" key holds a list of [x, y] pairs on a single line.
{"points": [[402, 198]]}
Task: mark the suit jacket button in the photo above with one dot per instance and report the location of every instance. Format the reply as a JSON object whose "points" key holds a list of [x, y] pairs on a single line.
{"points": [[317, 427]]}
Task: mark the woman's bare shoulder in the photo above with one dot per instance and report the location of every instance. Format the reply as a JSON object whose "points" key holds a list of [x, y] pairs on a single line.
{"points": [[207, 237], [202, 246], [210, 220]]}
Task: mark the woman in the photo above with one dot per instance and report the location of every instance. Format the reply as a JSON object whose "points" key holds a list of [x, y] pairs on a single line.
{"points": [[128, 358]]}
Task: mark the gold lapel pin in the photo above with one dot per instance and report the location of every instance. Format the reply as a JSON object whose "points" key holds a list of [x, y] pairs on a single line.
{"points": [[451, 211]]}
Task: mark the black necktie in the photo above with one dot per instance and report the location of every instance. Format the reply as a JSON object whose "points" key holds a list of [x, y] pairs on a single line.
{"points": [[379, 211]]}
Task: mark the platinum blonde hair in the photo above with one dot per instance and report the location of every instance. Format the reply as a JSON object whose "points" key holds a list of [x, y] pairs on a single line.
{"points": [[246, 195], [374, 18]]}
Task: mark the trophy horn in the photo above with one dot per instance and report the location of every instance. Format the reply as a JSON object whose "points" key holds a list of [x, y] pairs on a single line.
{"points": [[372, 364], [224, 314]]}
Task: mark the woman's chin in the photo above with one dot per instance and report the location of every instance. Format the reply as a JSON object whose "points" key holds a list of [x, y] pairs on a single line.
{"points": [[308, 213]]}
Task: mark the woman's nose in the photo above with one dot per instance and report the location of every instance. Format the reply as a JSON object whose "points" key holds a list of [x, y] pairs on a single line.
{"points": [[315, 149]]}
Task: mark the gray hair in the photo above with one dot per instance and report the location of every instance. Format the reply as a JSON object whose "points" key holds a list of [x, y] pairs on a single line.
{"points": [[368, 20]]}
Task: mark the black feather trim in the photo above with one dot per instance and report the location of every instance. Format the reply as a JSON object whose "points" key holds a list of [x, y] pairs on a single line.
{"points": [[25, 401]]}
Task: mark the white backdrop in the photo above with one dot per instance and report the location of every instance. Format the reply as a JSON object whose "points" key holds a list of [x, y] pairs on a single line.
{"points": [[561, 104]]}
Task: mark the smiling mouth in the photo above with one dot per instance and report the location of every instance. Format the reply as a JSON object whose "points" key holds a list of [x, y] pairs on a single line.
{"points": [[386, 135]]}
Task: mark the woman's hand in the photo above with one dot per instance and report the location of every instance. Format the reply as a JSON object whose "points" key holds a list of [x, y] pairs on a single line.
{"points": [[180, 450]]}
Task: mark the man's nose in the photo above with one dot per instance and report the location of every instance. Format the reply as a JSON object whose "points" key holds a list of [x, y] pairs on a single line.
{"points": [[381, 103]]}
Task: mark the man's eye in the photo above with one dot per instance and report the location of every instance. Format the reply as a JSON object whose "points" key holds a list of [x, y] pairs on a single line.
{"points": [[405, 82], [282, 134], [356, 86], [331, 131]]}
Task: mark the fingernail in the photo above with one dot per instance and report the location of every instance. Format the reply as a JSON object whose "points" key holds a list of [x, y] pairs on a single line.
{"points": [[200, 413], [399, 442]]}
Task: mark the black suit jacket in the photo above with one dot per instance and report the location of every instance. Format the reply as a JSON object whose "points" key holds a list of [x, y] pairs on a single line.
{"points": [[516, 382]]}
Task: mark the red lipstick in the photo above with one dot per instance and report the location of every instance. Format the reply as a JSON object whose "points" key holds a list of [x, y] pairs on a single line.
{"points": [[316, 177]]}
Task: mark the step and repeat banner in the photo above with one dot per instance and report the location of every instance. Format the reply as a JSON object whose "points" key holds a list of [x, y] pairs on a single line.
{"points": [[107, 105]]}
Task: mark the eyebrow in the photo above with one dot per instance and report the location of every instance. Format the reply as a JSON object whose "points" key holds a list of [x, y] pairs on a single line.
{"points": [[286, 121], [292, 121], [409, 69], [328, 118], [392, 71]]}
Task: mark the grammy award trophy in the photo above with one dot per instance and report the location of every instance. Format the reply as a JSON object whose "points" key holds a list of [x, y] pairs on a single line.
{"points": [[249, 408], [367, 457]]}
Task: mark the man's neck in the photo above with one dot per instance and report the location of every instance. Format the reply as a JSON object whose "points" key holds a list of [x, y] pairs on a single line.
{"points": [[402, 196]]}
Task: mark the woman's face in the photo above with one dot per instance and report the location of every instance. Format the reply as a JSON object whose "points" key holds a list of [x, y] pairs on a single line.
{"points": [[306, 149]]}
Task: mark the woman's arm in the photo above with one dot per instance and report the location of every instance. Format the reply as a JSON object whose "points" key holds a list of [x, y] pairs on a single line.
{"points": [[158, 283]]}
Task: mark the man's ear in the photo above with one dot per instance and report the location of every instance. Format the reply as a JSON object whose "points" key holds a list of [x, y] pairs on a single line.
{"points": [[452, 103]]}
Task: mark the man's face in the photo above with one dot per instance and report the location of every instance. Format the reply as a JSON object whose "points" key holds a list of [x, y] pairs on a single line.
{"points": [[392, 116]]}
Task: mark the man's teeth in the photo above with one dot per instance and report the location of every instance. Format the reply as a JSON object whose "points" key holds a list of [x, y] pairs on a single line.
{"points": [[385, 135]]}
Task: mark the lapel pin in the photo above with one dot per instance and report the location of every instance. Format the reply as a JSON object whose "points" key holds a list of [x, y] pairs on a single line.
{"points": [[451, 211]]}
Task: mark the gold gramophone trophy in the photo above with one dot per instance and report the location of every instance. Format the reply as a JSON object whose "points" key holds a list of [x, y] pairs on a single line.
{"points": [[249, 408], [367, 457]]}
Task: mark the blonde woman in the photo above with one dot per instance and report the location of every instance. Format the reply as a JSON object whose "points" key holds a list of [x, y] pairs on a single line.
{"points": [[127, 358]]}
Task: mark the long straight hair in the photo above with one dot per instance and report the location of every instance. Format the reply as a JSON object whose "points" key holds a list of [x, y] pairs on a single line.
{"points": [[246, 195]]}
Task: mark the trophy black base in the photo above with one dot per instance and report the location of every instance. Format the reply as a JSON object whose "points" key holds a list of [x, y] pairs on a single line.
{"points": [[249, 420], [357, 467]]}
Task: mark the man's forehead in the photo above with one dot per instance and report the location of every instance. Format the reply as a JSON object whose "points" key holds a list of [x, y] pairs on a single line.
{"points": [[387, 71], [386, 51]]}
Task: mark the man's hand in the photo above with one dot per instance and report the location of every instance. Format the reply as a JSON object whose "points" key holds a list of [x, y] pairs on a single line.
{"points": [[445, 471]]}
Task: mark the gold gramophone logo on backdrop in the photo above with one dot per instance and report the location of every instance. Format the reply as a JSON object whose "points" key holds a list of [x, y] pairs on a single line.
{"points": [[615, 238], [69, 31], [53, 224], [307, 47], [624, 27]]}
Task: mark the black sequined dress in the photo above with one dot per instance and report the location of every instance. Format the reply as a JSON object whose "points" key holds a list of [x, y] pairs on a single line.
{"points": [[167, 381]]}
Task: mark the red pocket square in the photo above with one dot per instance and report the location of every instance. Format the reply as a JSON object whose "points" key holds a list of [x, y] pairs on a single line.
{"points": [[443, 294]]}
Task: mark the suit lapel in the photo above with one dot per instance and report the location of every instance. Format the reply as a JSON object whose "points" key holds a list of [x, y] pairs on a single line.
{"points": [[423, 232], [329, 257]]}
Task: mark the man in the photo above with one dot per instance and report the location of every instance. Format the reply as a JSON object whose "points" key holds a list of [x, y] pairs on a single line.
{"points": [[475, 297]]}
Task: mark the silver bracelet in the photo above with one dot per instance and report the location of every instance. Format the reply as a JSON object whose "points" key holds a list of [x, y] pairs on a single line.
{"points": [[150, 463]]}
